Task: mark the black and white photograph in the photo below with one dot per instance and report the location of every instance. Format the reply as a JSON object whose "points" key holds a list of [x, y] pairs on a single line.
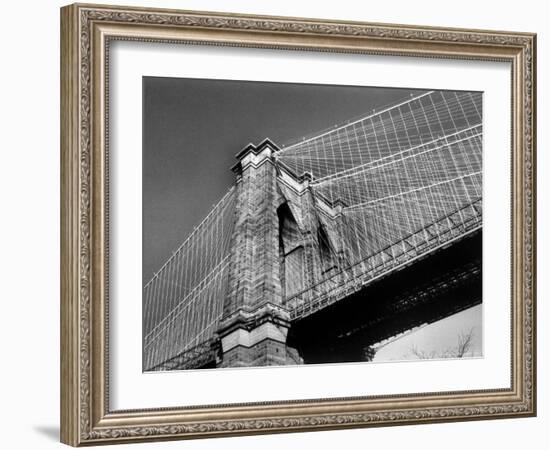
{"points": [[289, 224]]}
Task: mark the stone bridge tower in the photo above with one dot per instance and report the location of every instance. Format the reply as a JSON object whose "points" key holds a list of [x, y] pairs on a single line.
{"points": [[279, 247]]}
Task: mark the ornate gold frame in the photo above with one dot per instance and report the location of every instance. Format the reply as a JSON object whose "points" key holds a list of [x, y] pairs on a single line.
{"points": [[85, 34]]}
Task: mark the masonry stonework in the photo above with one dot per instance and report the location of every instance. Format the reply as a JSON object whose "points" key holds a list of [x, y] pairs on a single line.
{"points": [[255, 324]]}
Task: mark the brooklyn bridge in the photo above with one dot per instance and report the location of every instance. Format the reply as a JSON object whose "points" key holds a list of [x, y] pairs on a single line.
{"points": [[328, 246]]}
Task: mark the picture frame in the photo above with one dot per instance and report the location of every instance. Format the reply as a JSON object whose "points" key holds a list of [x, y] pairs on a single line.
{"points": [[87, 32]]}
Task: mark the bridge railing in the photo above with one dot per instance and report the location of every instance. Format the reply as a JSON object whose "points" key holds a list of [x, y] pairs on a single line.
{"points": [[354, 277]]}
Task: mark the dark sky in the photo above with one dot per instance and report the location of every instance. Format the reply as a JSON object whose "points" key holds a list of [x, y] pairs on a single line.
{"points": [[193, 128]]}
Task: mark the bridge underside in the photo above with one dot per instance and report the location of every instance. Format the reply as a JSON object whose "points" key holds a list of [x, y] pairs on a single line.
{"points": [[441, 284]]}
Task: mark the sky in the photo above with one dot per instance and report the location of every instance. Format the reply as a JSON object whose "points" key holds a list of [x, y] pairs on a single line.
{"points": [[193, 128], [437, 338]]}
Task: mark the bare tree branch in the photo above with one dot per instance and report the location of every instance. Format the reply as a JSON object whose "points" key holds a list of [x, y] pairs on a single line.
{"points": [[465, 342]]}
